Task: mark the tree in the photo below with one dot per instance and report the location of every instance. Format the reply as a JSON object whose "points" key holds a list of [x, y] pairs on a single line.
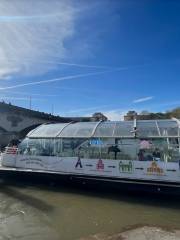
{"points": [[145, 112], [175, 113], [98, 116]]}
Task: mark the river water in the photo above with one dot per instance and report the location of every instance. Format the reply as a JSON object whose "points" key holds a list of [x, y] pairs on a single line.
{"points": [[42, 211]]}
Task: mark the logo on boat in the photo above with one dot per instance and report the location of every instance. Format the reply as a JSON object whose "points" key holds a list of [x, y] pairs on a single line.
{"points": [[78, 164], [35, 161], [154, 169], [100, 165], [125, 167]]}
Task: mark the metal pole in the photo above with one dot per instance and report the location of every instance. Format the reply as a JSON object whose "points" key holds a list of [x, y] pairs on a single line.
{"points": [[30, 103], [52, 109]]}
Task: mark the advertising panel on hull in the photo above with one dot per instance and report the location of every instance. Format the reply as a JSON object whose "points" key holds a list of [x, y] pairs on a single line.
{"points": [[150, 170]]}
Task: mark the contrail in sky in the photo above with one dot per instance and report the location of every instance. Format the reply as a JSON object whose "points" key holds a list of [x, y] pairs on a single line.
{"points": [[21, 98], [98, 66], [88, 109], [86, 66], [55, 80], [143, 99], [31, 94], [22, 18], [74, 64]]}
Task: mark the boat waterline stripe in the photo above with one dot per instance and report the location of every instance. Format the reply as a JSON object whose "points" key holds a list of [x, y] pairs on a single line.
{"points": [[99, 178], [129, 181]]}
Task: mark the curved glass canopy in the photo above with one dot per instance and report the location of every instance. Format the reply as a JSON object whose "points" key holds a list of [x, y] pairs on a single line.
{"points": [[121, 129]]}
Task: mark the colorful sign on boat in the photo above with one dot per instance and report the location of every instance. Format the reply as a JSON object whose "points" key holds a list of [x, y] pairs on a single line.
{"points": [[100, 165], [78, 164], [154, 169], [126, 167]]}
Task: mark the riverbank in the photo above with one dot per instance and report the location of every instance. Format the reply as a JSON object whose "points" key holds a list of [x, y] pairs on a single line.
{"points": [[140, 233]]}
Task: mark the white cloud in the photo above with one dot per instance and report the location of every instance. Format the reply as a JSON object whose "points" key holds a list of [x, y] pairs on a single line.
{"points": [[33, 31], [85, 111], [115, 115], [143, 99], [39, 35], [5, 70]]}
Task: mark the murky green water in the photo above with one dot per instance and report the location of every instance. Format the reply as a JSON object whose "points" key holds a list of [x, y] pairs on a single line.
{"points": [[47, 212]]}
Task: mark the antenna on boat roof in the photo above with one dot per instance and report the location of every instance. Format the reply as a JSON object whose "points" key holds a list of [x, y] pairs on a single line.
{"points": [[135, 128]]}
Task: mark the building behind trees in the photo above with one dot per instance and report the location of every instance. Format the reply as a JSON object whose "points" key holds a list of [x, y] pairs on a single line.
{"points": [[145, 115]]}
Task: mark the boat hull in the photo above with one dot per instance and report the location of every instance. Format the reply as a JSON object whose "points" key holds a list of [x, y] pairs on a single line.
{"points": [[105, 183], [149, 176]]}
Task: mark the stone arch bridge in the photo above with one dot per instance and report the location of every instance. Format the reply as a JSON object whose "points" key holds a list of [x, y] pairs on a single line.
{"points": [[16, 122]]}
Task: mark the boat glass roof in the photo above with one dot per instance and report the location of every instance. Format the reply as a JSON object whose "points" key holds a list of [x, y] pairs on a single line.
{"points": [[79, 129], [145, 128], [47, 130]]}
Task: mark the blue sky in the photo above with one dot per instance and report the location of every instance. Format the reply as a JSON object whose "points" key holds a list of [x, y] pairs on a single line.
{"points": [[81, 57]]}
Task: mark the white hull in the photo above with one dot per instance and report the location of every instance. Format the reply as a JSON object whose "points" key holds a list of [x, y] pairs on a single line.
{"points": [[125, 169]]}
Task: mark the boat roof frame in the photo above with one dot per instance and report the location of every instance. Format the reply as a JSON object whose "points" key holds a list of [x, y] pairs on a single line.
{"points": [[136, 129]]}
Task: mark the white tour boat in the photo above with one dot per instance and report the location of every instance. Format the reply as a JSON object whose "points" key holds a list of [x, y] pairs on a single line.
{"points": [[144, 153]]}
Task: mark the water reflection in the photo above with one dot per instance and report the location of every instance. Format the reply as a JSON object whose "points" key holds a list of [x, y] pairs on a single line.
{"points": [[41, 211], [30, 200]]}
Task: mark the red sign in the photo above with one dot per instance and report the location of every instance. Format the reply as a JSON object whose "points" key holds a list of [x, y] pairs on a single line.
{"points": [[100, 165]]}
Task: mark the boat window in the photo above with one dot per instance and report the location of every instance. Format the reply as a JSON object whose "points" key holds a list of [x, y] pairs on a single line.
{"points": [[22, 146], [105, 129], [172, 151], [128, 149], [146, 149], [160, 149], [89, 149], [110, 148], [37, 147], [78, 130], [71, 147], [113, 129], [147, 128], [47, 130], [168, 128]]}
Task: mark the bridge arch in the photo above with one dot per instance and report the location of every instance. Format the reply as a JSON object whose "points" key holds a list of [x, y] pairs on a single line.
{"points": [[25, 131]]}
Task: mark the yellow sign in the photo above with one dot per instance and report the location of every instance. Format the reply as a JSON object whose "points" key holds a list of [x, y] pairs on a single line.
{"points": [[154, 169]]}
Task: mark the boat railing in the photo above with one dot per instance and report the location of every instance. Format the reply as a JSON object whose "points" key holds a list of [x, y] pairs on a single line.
{"points": [[11, 150]]}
